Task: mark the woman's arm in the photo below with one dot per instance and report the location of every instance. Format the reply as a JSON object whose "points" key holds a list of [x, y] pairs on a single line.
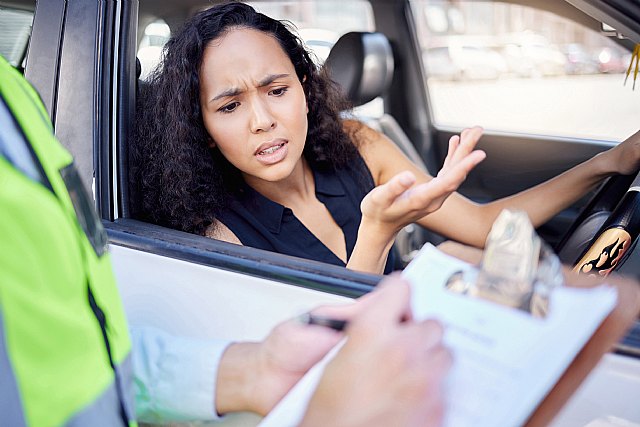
{"points": [[374, 239], [403, 193], [545, 200], [468, 222], [541, 202]]}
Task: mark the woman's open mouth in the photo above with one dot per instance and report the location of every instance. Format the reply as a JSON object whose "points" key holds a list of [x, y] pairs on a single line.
{"points": [[269, 154]]}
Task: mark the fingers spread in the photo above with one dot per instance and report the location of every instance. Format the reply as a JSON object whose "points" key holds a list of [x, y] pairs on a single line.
{"points": [[463, 166], [453, 145], [446, 182], [468, 140], [471, 161]]}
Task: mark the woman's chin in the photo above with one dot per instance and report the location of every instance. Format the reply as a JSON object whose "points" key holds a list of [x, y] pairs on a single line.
{"points": [[271, 174]]}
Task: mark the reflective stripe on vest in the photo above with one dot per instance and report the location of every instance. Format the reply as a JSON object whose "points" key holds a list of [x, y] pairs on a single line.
{"points": [[10, 405], [53, 340]]}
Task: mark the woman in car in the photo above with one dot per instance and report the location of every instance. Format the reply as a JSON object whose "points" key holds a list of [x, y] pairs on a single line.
{"points": [[241, 139]]}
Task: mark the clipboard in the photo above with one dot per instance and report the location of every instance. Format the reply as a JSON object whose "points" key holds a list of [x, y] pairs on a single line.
{"points": [[618, 307], [607, 335], [506, 359]]}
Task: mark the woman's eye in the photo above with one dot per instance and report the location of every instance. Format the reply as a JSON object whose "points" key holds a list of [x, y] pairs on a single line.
{"points": [[229, 107], [279, 91]]}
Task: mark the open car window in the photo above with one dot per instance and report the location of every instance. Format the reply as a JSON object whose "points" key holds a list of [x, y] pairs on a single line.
{"points": [[515, 70], [319, 24]]}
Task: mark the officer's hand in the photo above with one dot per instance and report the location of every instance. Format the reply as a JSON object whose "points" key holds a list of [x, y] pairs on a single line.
{"points": [[390, 370], [255, 376]]}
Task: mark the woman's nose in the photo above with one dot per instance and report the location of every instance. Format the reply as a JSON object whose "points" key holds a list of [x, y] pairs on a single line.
{"points": [[262, 120]]}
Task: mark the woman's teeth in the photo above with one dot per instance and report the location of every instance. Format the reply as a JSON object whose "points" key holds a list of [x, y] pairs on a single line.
{"points": [[271, 149]]}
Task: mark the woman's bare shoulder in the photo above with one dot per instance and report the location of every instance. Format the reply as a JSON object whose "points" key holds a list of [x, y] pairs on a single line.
{"points": [[380, 154], [219, 231], [369, 141], [360, 133]]}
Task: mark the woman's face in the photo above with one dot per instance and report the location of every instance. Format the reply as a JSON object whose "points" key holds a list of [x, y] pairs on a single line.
{"points": [[253, 104]]}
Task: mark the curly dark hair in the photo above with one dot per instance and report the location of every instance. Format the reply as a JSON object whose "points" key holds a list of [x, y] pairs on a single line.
{"points": [[179, 180]]}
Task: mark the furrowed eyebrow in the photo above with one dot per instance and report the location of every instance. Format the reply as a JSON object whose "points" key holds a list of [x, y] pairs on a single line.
{"points": [[262, 83], [229, 92], [270, 79]]}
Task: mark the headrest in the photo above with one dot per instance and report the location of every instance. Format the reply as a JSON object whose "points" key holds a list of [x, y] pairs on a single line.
{"points": [[362, 64]]}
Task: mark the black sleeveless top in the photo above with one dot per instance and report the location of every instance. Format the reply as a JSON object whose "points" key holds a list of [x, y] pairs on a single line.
{"points": [[264, 224]]}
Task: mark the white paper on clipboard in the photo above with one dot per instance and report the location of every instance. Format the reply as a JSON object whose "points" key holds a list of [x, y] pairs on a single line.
{"points": [[505, 360]]}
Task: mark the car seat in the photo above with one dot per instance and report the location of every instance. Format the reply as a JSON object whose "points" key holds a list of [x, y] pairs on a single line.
{"points": [[362, 64]]}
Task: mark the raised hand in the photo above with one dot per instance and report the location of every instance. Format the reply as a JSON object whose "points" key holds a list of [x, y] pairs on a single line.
{"points": [[399, 202]]}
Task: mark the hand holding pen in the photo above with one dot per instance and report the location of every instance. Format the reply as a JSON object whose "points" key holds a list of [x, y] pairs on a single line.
{"points": [[316, 319], [391, 368], [388, 372]]}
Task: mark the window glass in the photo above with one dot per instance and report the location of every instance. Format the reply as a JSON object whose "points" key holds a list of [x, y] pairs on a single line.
{"points": [[515, 68], [15, 29]]}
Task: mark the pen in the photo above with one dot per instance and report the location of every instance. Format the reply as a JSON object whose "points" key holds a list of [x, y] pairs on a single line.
{"points": [[312, 319]]}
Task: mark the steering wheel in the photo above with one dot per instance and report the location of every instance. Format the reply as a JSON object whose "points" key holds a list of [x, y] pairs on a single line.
{"points": [[605, 229]]}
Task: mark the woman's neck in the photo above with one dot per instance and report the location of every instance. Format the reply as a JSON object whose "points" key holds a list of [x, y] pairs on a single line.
{"points": [[297, 188]]}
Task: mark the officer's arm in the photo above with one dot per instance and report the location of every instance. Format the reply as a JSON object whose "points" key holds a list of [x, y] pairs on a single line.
{"points": [[174, 377]]}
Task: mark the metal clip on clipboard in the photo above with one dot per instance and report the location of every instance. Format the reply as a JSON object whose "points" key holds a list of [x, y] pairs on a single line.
{"points": [[518, 269]]}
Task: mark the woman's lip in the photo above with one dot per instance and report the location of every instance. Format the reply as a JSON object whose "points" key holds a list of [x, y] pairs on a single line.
{"points": [[271, 158]]}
